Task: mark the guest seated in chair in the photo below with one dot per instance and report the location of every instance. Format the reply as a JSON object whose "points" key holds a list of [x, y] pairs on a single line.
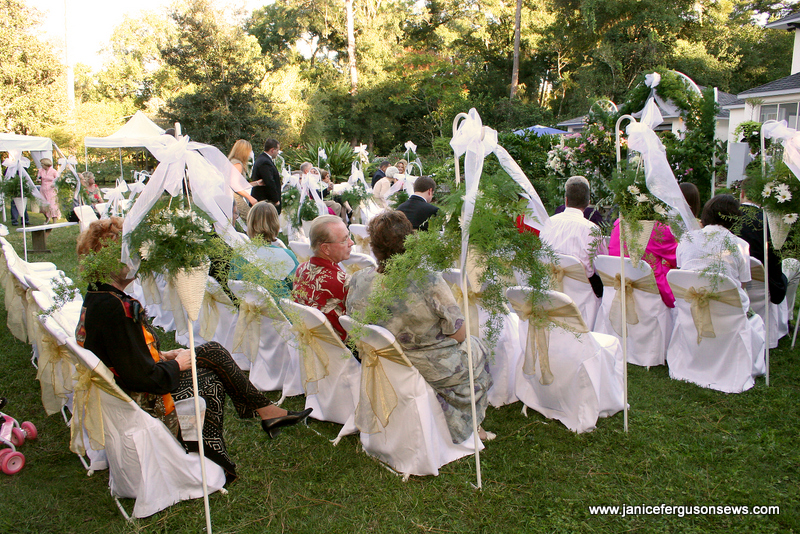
{"points": [[262, 221], [114, 327], [714, 249], [418, 207], [430, 328], [572, 234], [320, 282]]}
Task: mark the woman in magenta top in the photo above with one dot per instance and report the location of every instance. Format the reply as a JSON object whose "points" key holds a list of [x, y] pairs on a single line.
{"points": [[659, 254]]}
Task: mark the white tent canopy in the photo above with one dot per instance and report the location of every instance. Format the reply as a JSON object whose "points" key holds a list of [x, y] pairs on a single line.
{"points": [[9, 141], [135, 133]]}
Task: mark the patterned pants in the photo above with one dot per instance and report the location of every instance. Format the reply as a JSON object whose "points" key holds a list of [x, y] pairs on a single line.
{"points": [[218, 375]]}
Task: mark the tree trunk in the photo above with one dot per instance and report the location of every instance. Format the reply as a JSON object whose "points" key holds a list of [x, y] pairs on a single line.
{"points": [[351, 47], [515, 68]]}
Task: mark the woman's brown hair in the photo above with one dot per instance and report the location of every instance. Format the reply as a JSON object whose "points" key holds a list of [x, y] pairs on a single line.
{"points": [[98, 234], [387, 235]]}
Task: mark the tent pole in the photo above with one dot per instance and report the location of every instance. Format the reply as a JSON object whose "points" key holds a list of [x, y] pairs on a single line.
{"points": [[121, 175], [85, 158], [766, 275], [22, 215]]}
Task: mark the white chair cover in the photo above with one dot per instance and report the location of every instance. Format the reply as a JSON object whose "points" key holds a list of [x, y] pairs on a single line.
{"points": [[86, 216], [361, 239], [648, 339], [575, 284], [506, 350], [727, 362], [587, 371], [778, 313], [262, 335], [791, 268], [416, 440], [356, 262], [333, 390], [301, 249], [56, 366], [145, 460]]}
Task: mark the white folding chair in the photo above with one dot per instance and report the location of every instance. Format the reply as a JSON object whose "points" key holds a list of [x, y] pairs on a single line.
{"points": [[415, 439], [506, 349], [262, 335], [86, 216], [724, 356], [569, 277], [649, 319], [585, 368], [356, 262], [330, 374], [361, 239], [301, 250], [778, 313], [145, 460]]}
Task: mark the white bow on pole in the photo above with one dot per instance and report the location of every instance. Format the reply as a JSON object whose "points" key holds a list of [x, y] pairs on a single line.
{"points": [[660, 180], [790, 139], [206, 170], [16, 165]]}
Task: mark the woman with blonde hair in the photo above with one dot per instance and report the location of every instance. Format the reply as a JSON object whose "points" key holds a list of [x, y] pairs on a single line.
{"points": [[401, 165], [263, 223], [239, 157]]}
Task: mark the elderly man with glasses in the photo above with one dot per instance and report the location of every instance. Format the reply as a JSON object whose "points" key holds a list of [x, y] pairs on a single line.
{"points": [[320, 282]]}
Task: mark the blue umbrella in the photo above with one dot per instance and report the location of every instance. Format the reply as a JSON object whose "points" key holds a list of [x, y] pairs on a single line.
{"points": [[540, 130]]}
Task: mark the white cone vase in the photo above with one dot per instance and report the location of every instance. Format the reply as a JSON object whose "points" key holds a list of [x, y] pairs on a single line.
{"points": [[191, 286], [640, 239], [778, 229], [20, 203]]}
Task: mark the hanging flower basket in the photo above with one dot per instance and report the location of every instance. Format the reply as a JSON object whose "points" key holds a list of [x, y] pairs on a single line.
{"points": [[190, 283], [778, 228], [637, 240]]}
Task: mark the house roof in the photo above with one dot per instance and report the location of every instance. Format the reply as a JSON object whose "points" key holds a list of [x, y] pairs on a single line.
{"points": [[789, 22], [787, 85]]}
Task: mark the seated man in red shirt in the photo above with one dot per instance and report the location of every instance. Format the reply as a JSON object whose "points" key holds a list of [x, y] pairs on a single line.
{"points": [[320, 282]]}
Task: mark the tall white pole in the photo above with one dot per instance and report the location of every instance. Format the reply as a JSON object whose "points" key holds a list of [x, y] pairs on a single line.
{"points": [[70, 73]]}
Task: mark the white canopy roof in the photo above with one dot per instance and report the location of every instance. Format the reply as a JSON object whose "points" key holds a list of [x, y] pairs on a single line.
{"points": [[135, 133], [9, 141]]}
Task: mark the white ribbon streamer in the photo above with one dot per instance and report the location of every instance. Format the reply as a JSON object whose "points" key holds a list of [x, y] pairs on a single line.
{"points": [[16, 165], [790, 139]]}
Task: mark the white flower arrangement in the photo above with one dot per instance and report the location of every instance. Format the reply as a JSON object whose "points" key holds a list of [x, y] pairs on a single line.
{"points": [[642, 198], [790, 218], [633, 190]]}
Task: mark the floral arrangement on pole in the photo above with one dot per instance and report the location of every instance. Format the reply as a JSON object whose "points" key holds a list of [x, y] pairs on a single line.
{"points": [[639, 209], [779, 195], [176, 241], [10, 188]]}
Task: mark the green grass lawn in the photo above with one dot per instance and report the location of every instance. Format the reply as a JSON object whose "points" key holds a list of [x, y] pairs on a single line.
{"points": [[685, 446]]}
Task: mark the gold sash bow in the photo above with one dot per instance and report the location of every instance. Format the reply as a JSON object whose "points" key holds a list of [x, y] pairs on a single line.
{"points": [[209, 318], [377, 398], [472, 303], [15, 305], [575, 272], [152, 295], [646, 284], [315, 364], [363, 243], [538, 342], [701, 313], [248, 328], [55, 372], [757, 273], [87, 406]]}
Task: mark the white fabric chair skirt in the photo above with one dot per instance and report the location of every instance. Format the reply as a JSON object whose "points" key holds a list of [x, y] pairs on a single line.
{"points": [[778, 313], [727, 362], [580, 291], [587, 374], [334, 397], [647, 340], [269, 368]]}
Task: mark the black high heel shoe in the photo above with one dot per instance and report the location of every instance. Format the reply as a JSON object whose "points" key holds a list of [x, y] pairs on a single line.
{"points": [[273, 426]]}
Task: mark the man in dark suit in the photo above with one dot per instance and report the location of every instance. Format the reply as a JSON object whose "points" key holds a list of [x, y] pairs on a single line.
{"points": [[753, 232], [266, 178], [381, 172], [418, 208]]}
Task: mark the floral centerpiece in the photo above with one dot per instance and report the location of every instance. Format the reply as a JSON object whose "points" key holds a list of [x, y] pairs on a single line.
{"points": [[355, 194], [779, 194]]}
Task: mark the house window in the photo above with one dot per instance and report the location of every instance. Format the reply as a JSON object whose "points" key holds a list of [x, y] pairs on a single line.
{"points": [[780, 112], [788, 113], [768, 113]]}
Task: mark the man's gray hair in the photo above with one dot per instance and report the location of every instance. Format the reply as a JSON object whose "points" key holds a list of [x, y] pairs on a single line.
{"points": [[305, 166], [577, 192], [320, 231]]}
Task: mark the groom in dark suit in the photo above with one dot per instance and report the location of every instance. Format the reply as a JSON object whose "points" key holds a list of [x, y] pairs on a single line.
{"points": [[418, 208], [266, 175]]}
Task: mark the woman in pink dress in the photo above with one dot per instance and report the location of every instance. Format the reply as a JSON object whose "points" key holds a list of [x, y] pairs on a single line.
{"points": [[659, 254], [47, 177]]}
